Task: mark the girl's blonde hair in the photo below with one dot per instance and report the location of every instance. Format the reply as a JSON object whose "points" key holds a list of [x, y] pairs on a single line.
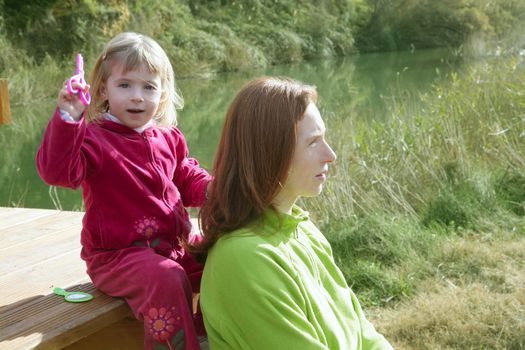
{"points": [[131, 50]]}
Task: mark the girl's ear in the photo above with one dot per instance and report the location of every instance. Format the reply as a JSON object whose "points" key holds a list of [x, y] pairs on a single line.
{"points": [[103, 90]]}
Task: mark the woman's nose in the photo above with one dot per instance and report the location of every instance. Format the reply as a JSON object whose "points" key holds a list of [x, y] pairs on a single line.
{"points": [[330, 155]]}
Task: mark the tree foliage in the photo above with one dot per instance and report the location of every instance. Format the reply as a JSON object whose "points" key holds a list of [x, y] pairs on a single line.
{"points": [[61, 27], [409, 24], [203, 36]]}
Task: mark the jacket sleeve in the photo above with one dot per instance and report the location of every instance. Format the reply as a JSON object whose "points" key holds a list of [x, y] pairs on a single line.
{"points": [[189, 177], [253, 303], [372, 340], [62, 157]]}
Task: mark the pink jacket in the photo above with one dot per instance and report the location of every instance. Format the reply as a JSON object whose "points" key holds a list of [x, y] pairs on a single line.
{"points": [[135, 186]]}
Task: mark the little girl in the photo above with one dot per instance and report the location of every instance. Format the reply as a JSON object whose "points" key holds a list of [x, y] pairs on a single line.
{"points": [[136, 179]]}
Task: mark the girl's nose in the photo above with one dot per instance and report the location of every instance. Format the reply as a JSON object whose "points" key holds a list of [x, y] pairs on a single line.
{"points": [[137, 96]]}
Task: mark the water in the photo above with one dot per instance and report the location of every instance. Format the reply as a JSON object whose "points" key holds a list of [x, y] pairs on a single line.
{"points": [[354, 87]]}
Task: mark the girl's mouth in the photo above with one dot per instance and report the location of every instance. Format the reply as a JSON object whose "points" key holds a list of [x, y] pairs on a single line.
{"points": [[135, 110]]}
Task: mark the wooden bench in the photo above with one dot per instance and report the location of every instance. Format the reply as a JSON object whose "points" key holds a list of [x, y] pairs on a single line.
{"points": [[40, 250]]}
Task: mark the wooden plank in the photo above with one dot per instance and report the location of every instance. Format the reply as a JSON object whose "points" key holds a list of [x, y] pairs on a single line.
{"points": [[50, 222], [39, 279], [31, 252], [16, 216], [39, 304], [5, 107], [7, 211], [48, 322], [126, 334], [40, 250]]}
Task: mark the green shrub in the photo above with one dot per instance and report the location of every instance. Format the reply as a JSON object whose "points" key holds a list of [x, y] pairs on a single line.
{"points": [[510, 188], [379, 256], [409, 24], [62, 28], [446, 210]]}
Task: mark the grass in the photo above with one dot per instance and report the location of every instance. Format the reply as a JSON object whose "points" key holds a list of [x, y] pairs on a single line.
{"points": [[425, 212], [476, 300], [30, 98]]}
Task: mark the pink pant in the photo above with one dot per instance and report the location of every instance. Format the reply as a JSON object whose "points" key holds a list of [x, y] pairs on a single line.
{"points": [[158, 287]]}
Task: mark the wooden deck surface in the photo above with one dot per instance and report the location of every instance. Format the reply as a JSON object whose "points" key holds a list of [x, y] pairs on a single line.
{"points": [[40, 250], [35, 244]]}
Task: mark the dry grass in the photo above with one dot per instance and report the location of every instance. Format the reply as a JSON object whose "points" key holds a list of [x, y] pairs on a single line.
{"points": [[475, 301]]}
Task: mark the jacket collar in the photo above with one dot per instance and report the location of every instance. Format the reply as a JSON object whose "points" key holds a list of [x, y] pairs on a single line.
{"points": [[285, 223], [110, 122]]}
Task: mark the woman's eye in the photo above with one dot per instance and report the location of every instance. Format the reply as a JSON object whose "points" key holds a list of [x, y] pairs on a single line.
{"points": [[124, 85]]}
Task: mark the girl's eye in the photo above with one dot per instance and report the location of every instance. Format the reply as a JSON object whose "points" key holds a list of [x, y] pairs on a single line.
{"points": [[150, 87], [124, 85]]}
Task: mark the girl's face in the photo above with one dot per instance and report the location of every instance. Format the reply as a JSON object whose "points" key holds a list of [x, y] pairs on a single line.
{"points": [[309, 166], [133, 96]]}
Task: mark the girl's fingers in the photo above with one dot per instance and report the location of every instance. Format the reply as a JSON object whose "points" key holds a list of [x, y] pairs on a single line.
{"points": [[86, 88], [64, 94], [65, 97]]}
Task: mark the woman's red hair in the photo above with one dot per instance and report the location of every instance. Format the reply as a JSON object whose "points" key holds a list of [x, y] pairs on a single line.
{"points": [[253, 156]]}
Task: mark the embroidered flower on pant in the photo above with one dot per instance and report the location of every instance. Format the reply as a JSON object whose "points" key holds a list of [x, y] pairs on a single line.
{"points": [[161, 322]]}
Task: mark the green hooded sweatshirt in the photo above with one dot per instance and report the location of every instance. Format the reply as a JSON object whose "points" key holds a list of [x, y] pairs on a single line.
{"points": [[274, 285]]}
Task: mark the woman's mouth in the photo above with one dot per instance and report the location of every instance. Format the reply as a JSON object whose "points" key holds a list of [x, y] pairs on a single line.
{"points": [[321, 176]]}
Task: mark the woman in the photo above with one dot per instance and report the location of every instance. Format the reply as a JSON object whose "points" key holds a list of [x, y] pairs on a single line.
{"points": [[270, 281]]}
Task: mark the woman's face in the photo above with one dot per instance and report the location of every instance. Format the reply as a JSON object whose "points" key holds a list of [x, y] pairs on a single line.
{"points": [[309, 166]]}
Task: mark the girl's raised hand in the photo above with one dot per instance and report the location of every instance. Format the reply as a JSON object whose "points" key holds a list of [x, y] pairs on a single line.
{"points": [[72, 103]]}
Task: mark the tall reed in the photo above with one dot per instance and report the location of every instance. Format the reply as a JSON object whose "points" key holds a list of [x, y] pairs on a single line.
{"points": [[452, 163]]}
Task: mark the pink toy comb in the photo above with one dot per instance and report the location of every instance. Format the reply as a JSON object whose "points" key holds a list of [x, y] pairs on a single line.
{"points": [[79, 79]]}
